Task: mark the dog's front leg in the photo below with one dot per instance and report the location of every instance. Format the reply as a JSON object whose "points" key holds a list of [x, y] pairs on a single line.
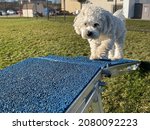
{"points": [[103, 49], [93, 45]]}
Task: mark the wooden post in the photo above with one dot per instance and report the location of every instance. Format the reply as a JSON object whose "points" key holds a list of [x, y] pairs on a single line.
{"points": [[64, 2], [115, 5], [47, 10]]}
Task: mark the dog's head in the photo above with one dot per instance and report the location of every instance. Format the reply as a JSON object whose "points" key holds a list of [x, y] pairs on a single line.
{"points": [[91, 22]]}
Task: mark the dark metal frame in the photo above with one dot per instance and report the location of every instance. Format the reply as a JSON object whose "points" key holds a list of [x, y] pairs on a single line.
{"points": [[92, 92]]}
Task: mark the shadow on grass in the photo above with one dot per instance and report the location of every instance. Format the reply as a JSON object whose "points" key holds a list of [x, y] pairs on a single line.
{"points": [[144, 67]]}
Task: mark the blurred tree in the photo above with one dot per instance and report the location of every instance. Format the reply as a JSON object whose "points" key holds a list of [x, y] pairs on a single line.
{"points": [[3, 4]]}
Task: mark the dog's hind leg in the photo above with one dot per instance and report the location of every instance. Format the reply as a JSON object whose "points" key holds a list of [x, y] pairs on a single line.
{"points": [[119, 47]]}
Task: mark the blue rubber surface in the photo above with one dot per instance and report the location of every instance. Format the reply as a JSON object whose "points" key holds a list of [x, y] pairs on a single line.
{"points": [[47, 84]]}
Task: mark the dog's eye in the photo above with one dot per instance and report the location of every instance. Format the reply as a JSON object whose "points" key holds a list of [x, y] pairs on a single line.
{"points": [[85, 24], [95, 25]]}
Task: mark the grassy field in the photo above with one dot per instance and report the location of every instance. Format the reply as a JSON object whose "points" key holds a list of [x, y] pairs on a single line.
{"points": [[23, 38]]}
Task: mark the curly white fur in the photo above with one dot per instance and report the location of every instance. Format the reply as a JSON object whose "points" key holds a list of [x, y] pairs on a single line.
{"points": [[104, 31]]}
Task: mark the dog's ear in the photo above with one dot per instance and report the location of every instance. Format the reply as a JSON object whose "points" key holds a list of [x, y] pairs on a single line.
{"points": [[77, 25], [107, 23]]}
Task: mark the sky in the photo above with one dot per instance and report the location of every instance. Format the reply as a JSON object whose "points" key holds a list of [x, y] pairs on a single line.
{"points": [[56, 1]]}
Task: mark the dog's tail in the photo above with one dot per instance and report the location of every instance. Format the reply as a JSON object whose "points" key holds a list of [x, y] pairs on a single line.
{"points": [[119, 14]]}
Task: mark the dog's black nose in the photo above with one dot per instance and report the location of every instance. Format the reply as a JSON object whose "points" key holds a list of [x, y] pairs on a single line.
{"points": [[89, 33]]}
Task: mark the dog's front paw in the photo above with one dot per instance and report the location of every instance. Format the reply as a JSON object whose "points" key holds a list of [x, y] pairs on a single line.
{"points": [[102, 56], [93, 57], [98, 57], [117, 58], [110, 57]]}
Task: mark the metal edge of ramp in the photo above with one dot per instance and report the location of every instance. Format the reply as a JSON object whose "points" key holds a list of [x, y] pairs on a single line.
{"points": [[83, 100]]}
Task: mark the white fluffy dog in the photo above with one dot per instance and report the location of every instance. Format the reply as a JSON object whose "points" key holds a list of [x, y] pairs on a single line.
{"points": [[104, 31]]}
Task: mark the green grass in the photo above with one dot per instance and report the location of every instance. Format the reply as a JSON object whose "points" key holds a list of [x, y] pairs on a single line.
{"points": [[23, 38]]}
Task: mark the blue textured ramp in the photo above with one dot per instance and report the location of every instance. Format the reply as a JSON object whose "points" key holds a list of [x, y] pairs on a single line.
{"points": [[46, 84], [38, 85]]}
